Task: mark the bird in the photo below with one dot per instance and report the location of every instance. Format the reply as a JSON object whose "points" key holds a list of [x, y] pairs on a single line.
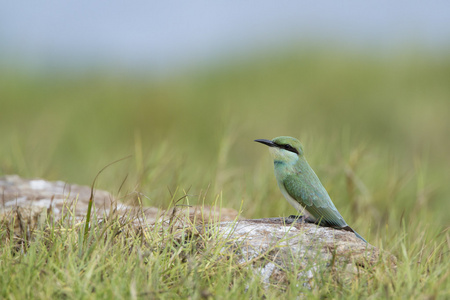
{"points": [[300, 185]]}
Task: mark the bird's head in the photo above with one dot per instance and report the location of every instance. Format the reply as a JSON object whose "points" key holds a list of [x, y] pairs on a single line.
{"points": [[284, 148]]}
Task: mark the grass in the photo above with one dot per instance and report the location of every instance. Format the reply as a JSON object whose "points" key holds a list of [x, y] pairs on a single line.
{"points": [[375, 130]]}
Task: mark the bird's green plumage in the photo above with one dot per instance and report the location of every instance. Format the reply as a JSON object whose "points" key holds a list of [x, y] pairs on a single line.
{"points": [[300, 185], [306, 188]]}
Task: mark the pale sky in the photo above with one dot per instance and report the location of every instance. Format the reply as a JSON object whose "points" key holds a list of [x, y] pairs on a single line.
{"points": [[167, 33]]}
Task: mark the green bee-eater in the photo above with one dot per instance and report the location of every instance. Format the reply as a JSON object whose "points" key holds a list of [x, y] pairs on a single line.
{"points": [[301, 186]]}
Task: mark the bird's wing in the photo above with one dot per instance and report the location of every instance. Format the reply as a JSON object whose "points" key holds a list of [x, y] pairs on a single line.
{"points": [[309, 191]]}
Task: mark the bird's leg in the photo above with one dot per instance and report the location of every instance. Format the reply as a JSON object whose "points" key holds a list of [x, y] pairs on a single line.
{"points": [[300, 218], [292, 218]]}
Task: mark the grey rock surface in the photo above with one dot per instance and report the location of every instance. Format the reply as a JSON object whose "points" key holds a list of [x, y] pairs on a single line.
{"points": [[30, 198], [272, 248]]}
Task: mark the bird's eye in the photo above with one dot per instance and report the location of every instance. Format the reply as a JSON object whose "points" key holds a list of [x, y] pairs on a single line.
{"points": [[290, 148]]}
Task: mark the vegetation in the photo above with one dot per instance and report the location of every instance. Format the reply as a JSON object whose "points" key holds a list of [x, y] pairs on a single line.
{"points": [[375, 129]]}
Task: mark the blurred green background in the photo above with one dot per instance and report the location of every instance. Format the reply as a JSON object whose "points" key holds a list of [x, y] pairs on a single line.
{"points": [[375, 129]]}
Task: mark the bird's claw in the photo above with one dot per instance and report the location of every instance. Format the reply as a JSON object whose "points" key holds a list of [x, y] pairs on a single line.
{"points": [[293, 218]]}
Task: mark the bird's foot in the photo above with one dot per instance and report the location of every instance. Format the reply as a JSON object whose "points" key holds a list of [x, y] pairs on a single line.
{"points": [[291, 219], [294, 218]]}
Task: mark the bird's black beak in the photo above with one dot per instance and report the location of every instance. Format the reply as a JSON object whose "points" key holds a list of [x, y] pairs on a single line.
{"points": [[266, 142]]}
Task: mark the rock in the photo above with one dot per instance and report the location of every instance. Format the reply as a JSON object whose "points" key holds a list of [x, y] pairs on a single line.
{"points": [[33, 196], [269, 246], [272, 247], [29, 199]]}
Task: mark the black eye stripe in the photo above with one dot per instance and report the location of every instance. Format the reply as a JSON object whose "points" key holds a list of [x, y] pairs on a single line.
{"points": [[288, 148]]}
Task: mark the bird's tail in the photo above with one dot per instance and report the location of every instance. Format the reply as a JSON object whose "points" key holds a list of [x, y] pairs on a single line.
{"points": [[358, 236], [348, 228]]}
